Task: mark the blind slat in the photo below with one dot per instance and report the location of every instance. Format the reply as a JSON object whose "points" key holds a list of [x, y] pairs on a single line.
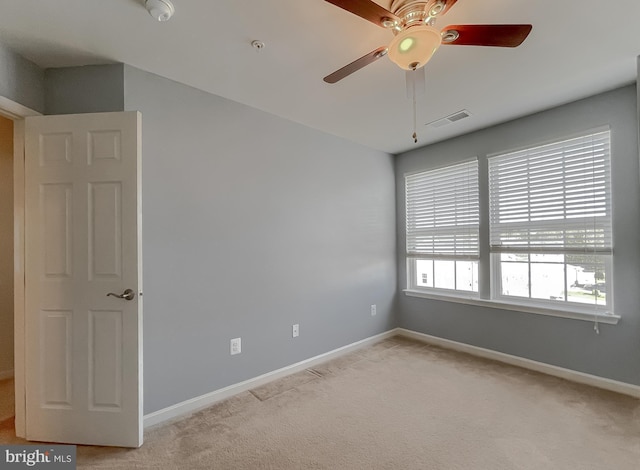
{"points": [[442, 212], [552, 197]]}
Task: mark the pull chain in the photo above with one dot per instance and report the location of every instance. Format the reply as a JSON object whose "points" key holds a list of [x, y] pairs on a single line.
{"points": [[596, 326], [415, 113]]}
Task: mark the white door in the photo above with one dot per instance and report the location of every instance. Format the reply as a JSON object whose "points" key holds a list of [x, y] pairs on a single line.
{"points": [[83, 220]]}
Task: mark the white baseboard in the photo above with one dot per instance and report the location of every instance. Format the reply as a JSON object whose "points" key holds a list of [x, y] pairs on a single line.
{"points": [[191, 406], [195, 404], [568, 374], [6, 374]]}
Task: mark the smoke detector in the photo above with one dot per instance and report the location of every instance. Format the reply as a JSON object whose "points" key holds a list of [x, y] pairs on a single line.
{"points": [[161, 10]]}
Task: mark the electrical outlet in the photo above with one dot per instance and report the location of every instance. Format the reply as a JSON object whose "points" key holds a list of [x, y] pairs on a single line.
{"points": [[373, 310], [236, 346], [295, 330]]}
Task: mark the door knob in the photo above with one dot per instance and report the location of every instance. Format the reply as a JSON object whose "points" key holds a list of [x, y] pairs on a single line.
{"points": [[128, 294]]}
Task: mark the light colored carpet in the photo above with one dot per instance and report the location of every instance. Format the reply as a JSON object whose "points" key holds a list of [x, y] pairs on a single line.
{"points": [[397, 404]]}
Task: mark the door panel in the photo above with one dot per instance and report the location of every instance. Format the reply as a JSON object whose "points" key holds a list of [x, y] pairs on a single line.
{"points": [[83, 354], [105, 230], [55, 201], [55, 365], [105, 360]]}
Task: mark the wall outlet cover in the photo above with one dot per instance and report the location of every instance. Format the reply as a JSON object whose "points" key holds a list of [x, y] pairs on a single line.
{"points": [[235, 346]]}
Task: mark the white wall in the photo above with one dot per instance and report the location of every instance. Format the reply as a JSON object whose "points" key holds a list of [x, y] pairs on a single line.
{"points": [[6, 246]]}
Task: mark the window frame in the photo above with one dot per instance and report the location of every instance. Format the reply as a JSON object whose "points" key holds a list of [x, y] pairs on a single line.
{"points": [[413, 258], [495, 279], [412, 281], [564, 305], [488, 285]]}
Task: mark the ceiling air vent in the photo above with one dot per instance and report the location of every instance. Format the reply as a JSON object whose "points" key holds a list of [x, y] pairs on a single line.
{"points": [[457, 116]]}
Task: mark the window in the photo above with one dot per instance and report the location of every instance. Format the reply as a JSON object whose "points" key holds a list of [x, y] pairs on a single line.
{"points": [[550, 224], [442, 216]]}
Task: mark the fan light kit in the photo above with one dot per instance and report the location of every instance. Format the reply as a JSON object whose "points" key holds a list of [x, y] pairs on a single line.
{"points": [[413, 47], [161, 10], [416, 39]]}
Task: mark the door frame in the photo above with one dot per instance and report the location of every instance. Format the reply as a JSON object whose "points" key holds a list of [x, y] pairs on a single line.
{"points": [[17, 113]]}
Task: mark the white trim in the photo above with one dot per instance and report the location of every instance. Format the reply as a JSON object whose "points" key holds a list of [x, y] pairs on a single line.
{"points": [[203, 401], [14, 110], [590, 317], [17, 112], [192, 405], [572, 375], [6, 374], [19, 296]]}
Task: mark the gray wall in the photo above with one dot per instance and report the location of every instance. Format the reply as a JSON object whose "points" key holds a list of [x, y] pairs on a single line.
{"points": [[252, 223], [20, 80], [88, 89], [573, 344]]}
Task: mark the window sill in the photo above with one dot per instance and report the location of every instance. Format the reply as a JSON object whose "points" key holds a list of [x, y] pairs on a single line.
{"points": [[590, 317]]}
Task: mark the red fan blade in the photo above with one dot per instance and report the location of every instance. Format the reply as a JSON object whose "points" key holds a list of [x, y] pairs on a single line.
{"points": [[497, 35], [356, 65], [366, 9], [449, 4]]}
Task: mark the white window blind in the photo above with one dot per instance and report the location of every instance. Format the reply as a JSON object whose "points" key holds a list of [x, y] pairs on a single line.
{"points": [[442, 212], [552, 198]]}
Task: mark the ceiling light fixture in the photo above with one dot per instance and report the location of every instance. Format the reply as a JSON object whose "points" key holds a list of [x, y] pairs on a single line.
{"points": [[161, 10], [413, 48], [416, 39]]}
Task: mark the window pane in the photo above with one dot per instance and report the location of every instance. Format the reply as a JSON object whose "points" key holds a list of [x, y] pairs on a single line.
{"points": [[580, 278], [547, 258], [424, 273], [514, 256], [467, 275], [444, 273], [587, 279], [547, 281], [515, 279]]}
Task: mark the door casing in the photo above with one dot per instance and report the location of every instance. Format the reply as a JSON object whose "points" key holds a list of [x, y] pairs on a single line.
{"points": [[17, 113]]}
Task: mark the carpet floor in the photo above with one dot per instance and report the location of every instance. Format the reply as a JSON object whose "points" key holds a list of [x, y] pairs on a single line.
{"points": [[398, 404]]}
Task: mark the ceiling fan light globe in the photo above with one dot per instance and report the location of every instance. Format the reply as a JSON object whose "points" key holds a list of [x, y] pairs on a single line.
{"points": [[406, 44], [415, 45]]}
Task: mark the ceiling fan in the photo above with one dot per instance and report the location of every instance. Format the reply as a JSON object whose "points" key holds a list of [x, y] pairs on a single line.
{"points": [[415, 37]]}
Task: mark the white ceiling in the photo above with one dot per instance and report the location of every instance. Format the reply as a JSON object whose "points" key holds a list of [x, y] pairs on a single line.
{"points": [[577, 48]]}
